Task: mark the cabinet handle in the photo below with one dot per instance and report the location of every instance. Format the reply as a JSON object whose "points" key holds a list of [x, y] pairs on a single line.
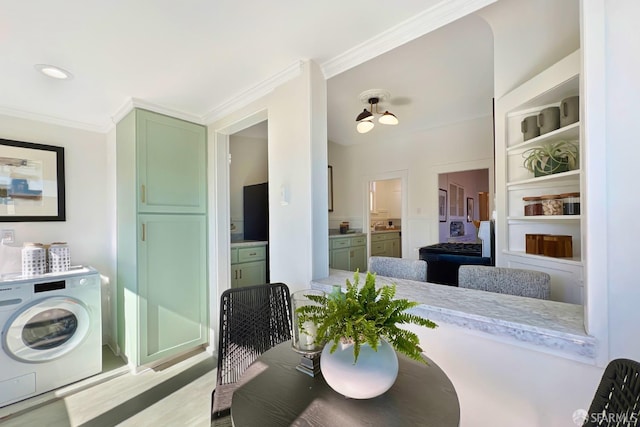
{"points": [[142, 194], [252, 254], [144, 232], [241, 273], [236, 271]]}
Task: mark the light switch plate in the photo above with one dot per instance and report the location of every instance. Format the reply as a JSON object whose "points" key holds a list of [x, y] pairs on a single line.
{"points": [[7, 236]]}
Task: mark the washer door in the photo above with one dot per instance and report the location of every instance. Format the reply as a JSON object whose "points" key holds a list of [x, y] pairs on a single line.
{"points": [[46, 329]]}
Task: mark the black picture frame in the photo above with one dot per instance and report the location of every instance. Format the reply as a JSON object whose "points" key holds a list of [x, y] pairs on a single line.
{"points": [[330, 183], [442, 205], [32, 184]]}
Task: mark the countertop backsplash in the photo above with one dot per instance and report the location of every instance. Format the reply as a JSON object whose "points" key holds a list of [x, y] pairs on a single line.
{"points": [[354, 223], [385, 224]]}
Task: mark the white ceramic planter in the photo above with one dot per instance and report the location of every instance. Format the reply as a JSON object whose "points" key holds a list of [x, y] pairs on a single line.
{"points": [[373, 373]]}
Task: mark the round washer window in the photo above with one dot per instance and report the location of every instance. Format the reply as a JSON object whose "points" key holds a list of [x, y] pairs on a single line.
{"points": [[49, 329]]}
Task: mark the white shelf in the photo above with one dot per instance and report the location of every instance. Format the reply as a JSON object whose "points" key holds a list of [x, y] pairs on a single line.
{"points": [[552, 95], [569, 132], [544, 218], [548, 180], [570, 261], [547, 89]]}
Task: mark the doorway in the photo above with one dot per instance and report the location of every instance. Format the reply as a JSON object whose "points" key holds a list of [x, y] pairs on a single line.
{"points": [[249, 206], [463, 201], [385, 213], [385, 218]]}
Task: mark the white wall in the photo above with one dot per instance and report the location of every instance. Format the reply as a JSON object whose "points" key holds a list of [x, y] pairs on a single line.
{"points": [[460, 146], [622, 151], [500, 384], [297, 147], [249, 165], [529, 36], [88, 228]]}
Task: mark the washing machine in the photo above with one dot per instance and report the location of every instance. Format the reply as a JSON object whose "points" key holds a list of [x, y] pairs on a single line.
{"points": [[51, 332]]}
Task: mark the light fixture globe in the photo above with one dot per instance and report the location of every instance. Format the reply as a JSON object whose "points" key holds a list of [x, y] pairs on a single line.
{"points": [[388, 119], [364, 126], [364, 115]]}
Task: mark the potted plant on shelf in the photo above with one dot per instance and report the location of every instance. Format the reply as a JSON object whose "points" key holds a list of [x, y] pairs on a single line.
{"points": [[554, 157], [359, 331]]}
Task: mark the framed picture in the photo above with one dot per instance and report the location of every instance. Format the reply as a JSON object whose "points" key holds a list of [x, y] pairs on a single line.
{"points": [[456, 201], [330, 174], [469, 209], [442, 205], [31, 182]]}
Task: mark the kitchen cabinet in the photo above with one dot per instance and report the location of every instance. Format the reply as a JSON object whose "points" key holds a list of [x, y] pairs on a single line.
{"points": [[547, 89], [248, 266], [386, 244], [172, 259], [348, 253], [162, 237], [171, 165]]}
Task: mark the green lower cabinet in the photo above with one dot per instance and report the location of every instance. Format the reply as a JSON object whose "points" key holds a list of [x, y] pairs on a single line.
{"points": [[172, 285], [248, 273], [340, 259], [358, 258], [393, 248], [386, 244], [348, 253], [378, 249], [248, 266]]}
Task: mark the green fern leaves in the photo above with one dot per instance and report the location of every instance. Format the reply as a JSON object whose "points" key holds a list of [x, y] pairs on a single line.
{"points": [[364, 316]]}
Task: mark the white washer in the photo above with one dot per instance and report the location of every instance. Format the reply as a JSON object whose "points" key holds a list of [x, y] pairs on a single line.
{"points": [[51, 332]]}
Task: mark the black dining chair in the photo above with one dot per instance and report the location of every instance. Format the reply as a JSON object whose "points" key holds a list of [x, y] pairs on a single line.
{"points": [[253, 319], [617, 399]]}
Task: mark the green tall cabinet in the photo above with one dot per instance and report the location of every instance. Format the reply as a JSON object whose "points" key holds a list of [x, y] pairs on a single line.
{"points": [[162, 236]]}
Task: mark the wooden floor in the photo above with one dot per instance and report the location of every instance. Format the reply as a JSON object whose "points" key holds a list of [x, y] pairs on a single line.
{"points": [[178, 394]]}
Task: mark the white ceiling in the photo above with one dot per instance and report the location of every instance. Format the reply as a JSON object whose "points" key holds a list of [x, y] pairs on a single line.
{"points": [[440, 78], [190, 57]]}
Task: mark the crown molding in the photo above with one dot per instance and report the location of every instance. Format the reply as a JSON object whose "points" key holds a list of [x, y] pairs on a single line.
{"points": [[253, 93], [435, 17], [52, 120], [132, 103]]}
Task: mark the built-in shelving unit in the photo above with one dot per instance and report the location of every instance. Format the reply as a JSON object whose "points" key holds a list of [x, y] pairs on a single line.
{"points": [[547, 89]]}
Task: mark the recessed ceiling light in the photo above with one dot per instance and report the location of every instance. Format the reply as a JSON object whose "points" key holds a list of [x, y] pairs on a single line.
{"points": [[53, 71]]}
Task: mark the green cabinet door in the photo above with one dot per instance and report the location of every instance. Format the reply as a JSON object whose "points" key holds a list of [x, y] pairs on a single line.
{"points": [[171, 160], [395, 248], [249, 273], [172, 284], [358, 259], [340, 259], [388, 248]]}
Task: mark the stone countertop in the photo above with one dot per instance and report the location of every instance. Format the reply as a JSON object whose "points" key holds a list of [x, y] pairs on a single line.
{"points": [[336, 234], [247, 243], [551, 326], [391, 230]]}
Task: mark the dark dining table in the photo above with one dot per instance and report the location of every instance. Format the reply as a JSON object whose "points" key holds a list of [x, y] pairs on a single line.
{"points": [[272, 392]]}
